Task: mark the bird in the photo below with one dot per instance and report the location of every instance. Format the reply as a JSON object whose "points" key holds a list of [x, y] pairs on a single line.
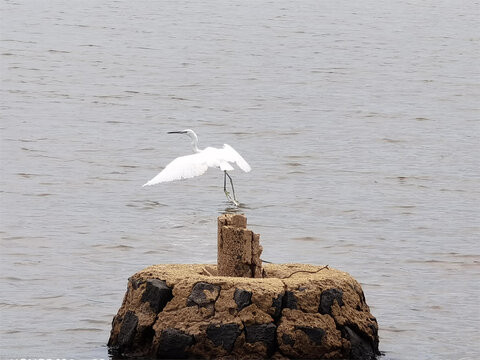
{"points": [[196, 164]]}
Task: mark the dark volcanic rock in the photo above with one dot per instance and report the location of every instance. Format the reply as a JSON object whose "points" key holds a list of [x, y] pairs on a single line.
{"points": [[277, 304], [157, 293], [223, 335], [127, 330], [135, 283], [242, 298], [361, 348], [173, 343], [327, 298], [264, 333], [374, 327], [198, 297], [289, 301], [314, 334], [287, 340]]}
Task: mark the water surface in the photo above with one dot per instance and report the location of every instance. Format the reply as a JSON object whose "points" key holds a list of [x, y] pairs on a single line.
{"points": [[360, 121]]}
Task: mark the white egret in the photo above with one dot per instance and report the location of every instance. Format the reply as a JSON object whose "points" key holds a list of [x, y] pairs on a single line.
{"points": [[197, 164]]}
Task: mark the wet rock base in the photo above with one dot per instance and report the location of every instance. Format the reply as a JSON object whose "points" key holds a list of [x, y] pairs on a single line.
{"points": [[296, 311]]}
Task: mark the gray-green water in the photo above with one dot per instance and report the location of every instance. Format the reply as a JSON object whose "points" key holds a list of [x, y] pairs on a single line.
{"points": [[359, 119]]}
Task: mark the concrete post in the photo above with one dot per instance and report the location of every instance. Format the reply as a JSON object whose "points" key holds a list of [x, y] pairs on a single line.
{"points": [[238, 248]]}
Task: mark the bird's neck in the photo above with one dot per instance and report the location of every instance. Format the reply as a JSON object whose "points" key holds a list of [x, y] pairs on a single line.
{"points": [[194, 139], [195, 146]]}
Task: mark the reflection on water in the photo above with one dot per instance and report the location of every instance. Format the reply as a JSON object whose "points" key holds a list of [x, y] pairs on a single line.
{"points": [[359, 121]]}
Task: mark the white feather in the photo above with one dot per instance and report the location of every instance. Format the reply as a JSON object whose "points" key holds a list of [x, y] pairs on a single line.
{"points": [[232, 156], [183, 167], [197, 164]]}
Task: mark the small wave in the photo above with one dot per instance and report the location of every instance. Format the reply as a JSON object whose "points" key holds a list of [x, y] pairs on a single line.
{"points": [[393, 330], [96, 322], [83, 330], [50, 297], [58, 51], [392, 141], [306, 238], [10, 305], [121, 247]]}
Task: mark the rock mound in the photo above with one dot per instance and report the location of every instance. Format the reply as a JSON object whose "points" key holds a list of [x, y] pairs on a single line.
{"points": [[296, 311]]}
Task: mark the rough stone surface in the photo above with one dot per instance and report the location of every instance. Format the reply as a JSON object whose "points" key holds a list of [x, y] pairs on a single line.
{"points": [[238, 248], [157, 293], [287, 340], [173, 344], [277, 305], [242, 298], [314, 334], [128, 329], [263, 333], [223, 335], [296, 311], [289, 300], [327, 298], [360, 347], [203, 294]]}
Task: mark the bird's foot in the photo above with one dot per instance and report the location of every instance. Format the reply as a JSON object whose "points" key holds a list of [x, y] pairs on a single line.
{"points": [[234, 201]]}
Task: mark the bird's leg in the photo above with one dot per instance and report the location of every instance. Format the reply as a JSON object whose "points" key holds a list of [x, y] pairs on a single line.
{"points": [[231, 183], [235, 201], [225, 184], [227, 194]]}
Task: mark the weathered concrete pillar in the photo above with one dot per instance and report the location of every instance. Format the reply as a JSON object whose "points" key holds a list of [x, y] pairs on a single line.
{"points": [[238, 248]]}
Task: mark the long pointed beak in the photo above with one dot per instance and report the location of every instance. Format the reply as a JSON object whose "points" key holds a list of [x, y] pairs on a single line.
{"points": [[176, 132]]}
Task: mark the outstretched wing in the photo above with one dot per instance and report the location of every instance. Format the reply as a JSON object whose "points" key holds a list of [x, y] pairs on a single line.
{"points": [[231, 155], [183, 167]]}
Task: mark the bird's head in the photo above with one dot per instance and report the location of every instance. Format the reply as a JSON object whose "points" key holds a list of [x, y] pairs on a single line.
{"points": [[188, 132], [192, 136]]}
